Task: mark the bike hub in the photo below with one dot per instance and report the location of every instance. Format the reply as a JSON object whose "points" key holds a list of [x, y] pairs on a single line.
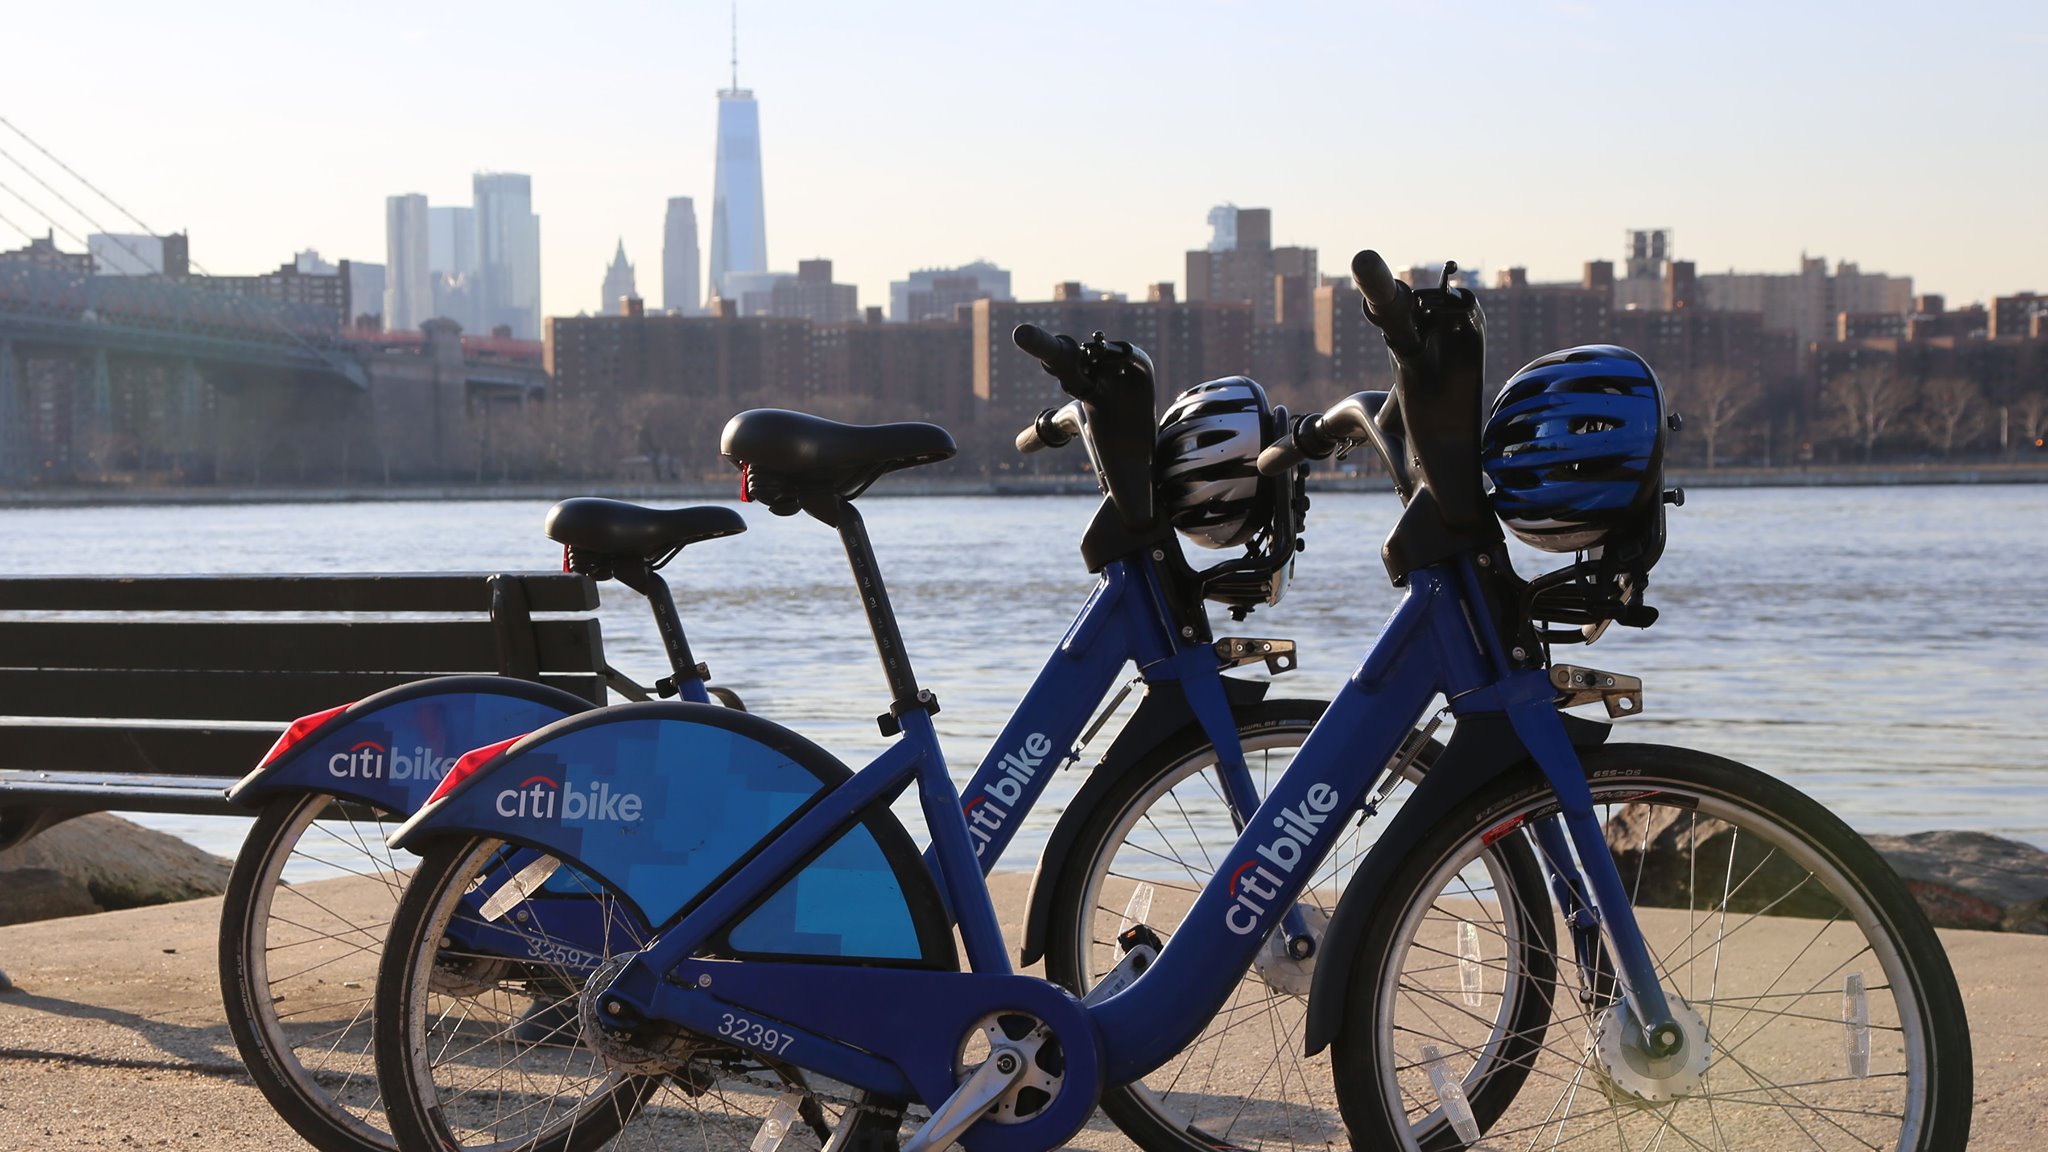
{"points": [[1629, 1066]]}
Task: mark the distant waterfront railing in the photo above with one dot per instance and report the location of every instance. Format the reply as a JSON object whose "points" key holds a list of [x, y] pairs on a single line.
{"points": [[1846, 476]]}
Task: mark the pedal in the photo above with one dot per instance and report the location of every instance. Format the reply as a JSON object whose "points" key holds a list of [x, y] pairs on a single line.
{"points": [[1237, 651], [1622, 695], [1141, 947]]}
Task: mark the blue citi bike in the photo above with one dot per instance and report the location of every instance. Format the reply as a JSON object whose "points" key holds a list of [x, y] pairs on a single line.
{"points": [[1553, 942], [1192, 758], [297, 954]]}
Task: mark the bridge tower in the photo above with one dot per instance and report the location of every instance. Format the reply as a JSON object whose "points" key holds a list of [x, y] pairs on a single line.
{"points": [[10, 413]]}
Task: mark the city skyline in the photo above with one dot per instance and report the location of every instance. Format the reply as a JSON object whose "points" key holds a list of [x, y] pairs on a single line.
{"points": [[1757, 133]]}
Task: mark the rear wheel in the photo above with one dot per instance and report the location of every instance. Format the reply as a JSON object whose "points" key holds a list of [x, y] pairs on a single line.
{"points": [[496, 1048], [1143, 856], [1820, 1009], [303, 920]]}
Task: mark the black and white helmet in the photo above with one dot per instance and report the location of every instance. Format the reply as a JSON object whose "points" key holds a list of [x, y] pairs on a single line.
{"points": [[1207, 461]]}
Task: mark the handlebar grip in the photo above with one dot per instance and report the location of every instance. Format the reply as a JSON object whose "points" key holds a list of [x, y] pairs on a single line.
{"points": [[1374, 279], [1280, 457], [1306, 442], [1044, 432], [1046, 348]]}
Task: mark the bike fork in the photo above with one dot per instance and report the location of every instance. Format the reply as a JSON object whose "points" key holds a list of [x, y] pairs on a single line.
{"points": [[1212, 711], [1595, 876]]}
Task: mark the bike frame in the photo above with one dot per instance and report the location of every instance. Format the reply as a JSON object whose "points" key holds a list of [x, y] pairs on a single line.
{"points": [[1127, 619], [1436, 642]]}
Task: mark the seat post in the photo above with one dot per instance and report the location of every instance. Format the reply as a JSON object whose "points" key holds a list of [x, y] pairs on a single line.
{"points": [[874, 599], [667, 621]]}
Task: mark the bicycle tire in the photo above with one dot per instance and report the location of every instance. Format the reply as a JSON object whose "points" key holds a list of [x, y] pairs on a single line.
{"points": [[549, 1090], [298, 957], [1724, 842], [1197, 1102]]}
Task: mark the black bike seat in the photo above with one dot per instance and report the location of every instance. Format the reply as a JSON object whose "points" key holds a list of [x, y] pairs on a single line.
{"points": [[802, 450], [616, 528]]}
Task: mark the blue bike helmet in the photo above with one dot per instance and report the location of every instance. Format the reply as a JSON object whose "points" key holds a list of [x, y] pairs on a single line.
{"points": [[1575, 449]]}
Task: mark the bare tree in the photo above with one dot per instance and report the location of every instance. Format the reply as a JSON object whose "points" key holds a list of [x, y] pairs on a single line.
{"points": [[1712, 400], [1952, 412], [1867, 402], [2030, 417], [672, 435]]}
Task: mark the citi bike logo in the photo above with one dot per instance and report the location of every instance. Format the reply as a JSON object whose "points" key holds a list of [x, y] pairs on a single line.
{"points": [[542, 798], [984, 815], [370, 760], [1254, 884]]}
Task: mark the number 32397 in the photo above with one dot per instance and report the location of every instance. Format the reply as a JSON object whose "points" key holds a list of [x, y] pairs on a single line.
{"points": [[754, 1035]]}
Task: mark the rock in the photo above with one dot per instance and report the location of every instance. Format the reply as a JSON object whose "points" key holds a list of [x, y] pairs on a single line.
{"points": [[1967, 879], [1665, 853], [1960, 879], [115, 864], [2031, 916], [1992, 868], [1954, 908], [42, 894]]}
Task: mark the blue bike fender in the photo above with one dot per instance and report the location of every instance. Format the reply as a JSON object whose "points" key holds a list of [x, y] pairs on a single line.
{"points": [[1481, 748], [391, 749], [663, 802]]}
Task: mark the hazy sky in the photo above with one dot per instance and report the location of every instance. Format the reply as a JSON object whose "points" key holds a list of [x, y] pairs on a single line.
{"points": [[1070, 140]]}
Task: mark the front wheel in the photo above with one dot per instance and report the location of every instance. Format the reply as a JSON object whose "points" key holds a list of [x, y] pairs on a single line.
{"points": [[1142, 856], [1819, 1009]]}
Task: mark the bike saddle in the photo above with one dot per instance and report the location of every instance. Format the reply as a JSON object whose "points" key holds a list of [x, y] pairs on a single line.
{"points": [[788, 455], [615, 528]]}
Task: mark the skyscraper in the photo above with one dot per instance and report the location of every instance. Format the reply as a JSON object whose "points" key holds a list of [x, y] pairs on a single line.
{"points": [[508, 253], [408, 277], [618, 282], [679, 282], [739, 226], [451, 240]]}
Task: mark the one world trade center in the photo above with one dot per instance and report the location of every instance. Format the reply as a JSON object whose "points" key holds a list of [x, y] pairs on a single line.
{"points": [[739, 229]]}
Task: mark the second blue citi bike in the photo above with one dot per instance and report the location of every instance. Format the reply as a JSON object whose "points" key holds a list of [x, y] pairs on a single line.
{"points": [[1554, 942]]}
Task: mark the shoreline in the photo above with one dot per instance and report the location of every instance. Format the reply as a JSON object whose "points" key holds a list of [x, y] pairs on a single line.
{"points": [[1833, 476]]}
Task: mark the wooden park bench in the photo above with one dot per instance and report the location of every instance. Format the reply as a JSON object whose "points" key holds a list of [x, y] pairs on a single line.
{"points": [[155, 693]]}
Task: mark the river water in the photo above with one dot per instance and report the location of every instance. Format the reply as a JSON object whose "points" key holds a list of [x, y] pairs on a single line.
{"points": [[1877, 647]]}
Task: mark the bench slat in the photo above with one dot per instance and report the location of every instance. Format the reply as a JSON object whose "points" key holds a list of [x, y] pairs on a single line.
{"points": [[417, 646], [74, 791], [405, 592], [211, 695], [114, 750]]}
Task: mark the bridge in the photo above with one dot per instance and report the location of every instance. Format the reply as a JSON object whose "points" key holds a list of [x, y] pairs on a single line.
{"points": [[179, 378], [44, 308], [144, 378]]}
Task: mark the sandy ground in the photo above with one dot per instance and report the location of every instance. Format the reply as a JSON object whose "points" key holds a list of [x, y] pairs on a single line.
{"points": [[115, 1037]]}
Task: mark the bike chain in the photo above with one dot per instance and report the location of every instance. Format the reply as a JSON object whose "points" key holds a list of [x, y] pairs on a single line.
{"points": [[775, 1077]]}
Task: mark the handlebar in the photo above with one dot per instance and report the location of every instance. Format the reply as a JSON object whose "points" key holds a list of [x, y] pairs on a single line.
{"points": [[1054, 428], [1360, 418], [1114, 384]]}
